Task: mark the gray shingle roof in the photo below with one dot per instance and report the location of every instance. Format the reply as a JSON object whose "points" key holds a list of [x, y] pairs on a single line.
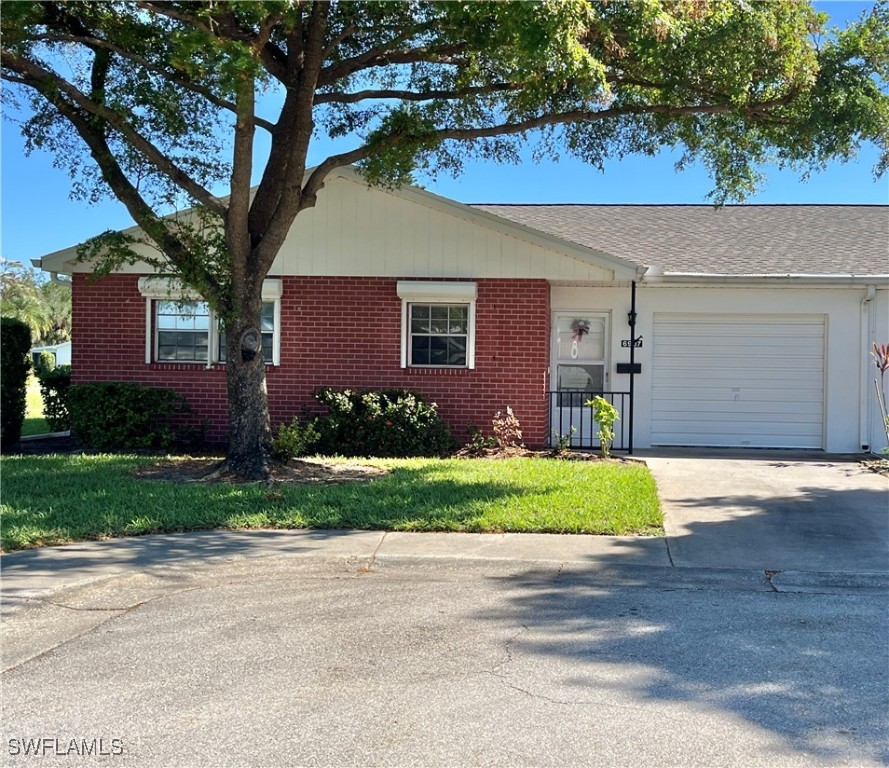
{"points": [[735, 240]]}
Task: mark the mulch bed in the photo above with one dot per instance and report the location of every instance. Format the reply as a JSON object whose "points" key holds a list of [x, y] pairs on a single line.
{"points": [[511, 452], [200, 469], [298, 471]]}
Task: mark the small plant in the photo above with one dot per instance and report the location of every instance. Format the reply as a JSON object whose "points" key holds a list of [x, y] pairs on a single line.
{"points": [[55, 383], [479, 442], [15, 362], [507, 430], [295, 439], [880, 355], [604, 414], [562, 441]]}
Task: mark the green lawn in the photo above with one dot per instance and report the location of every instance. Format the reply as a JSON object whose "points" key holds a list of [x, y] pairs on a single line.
{"points": [[57, 499], [34, 423]]}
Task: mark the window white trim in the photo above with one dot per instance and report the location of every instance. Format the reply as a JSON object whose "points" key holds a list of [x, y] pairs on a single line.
{"points": [[157, 288], [436, 292]]}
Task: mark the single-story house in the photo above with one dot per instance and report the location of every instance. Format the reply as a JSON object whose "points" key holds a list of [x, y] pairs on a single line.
{"points": [[752, 325], [61, 353]]}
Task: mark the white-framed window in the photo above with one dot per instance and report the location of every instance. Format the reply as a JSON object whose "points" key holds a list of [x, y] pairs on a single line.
{"points": [[181, 331], [181, 328], [437, 324]]}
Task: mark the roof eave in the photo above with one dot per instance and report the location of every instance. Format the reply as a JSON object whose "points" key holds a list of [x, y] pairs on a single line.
{"points": [[834, 279]]}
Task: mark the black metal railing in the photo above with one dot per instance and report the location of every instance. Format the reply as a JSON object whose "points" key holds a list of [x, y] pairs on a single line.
{"points": [[568, 408]]}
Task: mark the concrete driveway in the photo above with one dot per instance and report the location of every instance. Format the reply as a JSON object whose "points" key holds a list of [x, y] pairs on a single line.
{"points": [[772, 510]]}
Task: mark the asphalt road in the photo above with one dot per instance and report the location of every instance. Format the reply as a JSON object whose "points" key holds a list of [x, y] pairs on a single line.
{"points": [[412, 662]]}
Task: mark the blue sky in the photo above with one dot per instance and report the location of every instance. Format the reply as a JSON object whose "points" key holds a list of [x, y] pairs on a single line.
{"points": [[37, 217]]}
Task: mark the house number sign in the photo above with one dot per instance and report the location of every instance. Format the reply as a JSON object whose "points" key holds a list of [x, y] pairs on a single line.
{"points": [[627, 343]]}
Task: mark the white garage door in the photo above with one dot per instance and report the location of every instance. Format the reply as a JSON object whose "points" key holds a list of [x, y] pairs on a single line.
{"points": [[738, 380]]}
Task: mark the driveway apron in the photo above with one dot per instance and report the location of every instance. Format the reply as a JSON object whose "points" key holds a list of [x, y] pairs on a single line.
{"points": [[775, 510]]}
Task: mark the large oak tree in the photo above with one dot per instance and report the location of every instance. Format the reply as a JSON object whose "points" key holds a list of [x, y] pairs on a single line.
{"points": [[159, 104]]}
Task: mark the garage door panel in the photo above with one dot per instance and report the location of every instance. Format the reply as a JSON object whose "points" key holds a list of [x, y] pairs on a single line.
{"points": [[720, 389], [738, 380], [785, 411]]}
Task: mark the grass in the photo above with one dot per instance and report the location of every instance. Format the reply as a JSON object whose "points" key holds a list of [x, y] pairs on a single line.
{"points": [[34, 423], [57, 499]]}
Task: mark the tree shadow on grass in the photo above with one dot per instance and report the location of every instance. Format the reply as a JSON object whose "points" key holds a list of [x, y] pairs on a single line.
{"points": [[67, 501]]}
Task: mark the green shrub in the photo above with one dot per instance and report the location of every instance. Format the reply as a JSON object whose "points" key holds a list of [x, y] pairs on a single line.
{"points": [[604, 414], [55, 384], [119, 414], [295, 439], [45, 361], [393, 423], [15, 362]]}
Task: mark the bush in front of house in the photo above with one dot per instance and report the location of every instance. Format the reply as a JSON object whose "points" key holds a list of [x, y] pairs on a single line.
{"points": [[15, 362], [295, 439], [391, 423], [55, 384], [117, 415]]}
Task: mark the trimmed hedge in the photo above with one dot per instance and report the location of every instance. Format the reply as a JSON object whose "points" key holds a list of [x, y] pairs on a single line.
{"points": [[15, 362], [55, 383], [394, 423], [116, 415]]}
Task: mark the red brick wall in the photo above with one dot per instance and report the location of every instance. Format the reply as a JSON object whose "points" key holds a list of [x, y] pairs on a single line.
{"points": [[339, 332]]}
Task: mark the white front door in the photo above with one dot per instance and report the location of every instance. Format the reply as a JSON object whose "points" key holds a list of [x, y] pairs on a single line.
{"points": [[579, 371]]}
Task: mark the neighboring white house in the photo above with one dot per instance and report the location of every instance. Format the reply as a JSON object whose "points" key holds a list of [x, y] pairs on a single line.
{"points": [[61, 352]]}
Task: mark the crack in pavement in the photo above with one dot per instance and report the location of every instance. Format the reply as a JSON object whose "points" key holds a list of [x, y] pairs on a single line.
{"points": [[373, 558], [770, 574], [113, 614], [85, 609], [669, 553], [508, 649]]}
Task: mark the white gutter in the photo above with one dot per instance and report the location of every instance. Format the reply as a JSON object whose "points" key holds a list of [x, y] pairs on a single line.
{"points": [[865, 404], [655, 276]]}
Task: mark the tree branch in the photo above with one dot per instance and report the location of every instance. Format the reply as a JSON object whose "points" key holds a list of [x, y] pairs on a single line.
{"points": [[43, 80], [384, 55], [459, 93], [323, 169], [288, 203], [171, 246], [177, 78]]}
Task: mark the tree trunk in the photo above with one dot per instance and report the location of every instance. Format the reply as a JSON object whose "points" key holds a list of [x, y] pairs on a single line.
{"points": [[249, 439]]}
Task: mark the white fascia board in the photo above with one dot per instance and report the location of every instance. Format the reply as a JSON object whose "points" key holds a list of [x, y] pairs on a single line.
{"points": [[436, 291], [622, 268], [758, 281]]}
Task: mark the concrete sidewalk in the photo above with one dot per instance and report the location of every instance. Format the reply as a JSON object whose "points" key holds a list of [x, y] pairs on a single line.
{"points": [[37, 572]]}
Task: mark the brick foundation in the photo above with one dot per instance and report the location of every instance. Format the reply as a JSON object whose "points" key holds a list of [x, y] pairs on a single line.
{"points": [[339, 332]]}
